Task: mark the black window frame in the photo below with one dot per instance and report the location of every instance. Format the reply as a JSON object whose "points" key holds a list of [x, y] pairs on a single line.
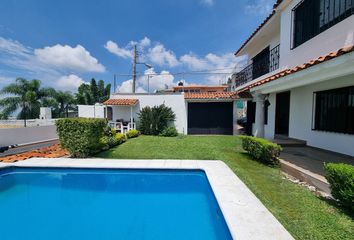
{"points": [[318, 16], [337, 107]]}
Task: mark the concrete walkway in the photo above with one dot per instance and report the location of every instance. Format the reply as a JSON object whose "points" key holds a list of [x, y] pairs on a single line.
{"points": [[313, 159]]}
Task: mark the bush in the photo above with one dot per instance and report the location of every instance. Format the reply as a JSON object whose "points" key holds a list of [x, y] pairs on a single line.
{"points": [[120, 137], [80, 136], [341, 179], [261, 149], [152, 121], [132, 133], [104, 143], [169, 132]]}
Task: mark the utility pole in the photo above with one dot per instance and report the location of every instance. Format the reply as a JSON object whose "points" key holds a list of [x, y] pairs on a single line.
{"points": [[134, 69], [114, 84]]}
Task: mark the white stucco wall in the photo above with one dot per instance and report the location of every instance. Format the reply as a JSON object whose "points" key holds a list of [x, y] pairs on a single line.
{"points": [[91, 111], [332, 39], [175, 101], [300, 124]]}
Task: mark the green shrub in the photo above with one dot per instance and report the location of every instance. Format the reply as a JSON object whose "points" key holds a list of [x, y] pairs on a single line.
{"points": [[261, 149], [113, 141], [132, 133], [152, 121], [169, 132], [80, 136], [341, 179], [104, 143], [121, 138]]}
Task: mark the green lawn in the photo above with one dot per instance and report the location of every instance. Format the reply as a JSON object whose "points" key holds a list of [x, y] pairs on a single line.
{"points": [[303, 214]]}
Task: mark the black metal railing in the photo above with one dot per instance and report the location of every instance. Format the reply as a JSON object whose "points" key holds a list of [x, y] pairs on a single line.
{"points": [[258, 68]]}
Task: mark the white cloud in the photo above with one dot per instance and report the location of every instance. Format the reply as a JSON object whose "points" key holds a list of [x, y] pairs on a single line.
{"points": [[218, 67], [113, 47], [157, 81], [194, 62], [126, 87], [207, 2], [50, 64], [70, 82], [259, 7], [145, 42], [160, 56], [64, 56], [156, 54]]}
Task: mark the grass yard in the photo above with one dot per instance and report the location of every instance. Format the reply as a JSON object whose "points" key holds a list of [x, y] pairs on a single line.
{"points": [[303, 214]]}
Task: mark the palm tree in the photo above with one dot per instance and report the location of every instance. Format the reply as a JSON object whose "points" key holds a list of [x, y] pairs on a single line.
{"points": [[65, 101], [28, 96]]}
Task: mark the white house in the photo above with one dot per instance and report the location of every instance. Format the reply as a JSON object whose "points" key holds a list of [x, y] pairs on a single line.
{"points": [[301, 74], [196, 113]]}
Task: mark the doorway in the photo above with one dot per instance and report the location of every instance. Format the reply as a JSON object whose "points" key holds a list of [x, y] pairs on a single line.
{"points": [[282, 113]]}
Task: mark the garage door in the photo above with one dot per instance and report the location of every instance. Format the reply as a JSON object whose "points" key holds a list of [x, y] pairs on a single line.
{"points": [[210, 118]]}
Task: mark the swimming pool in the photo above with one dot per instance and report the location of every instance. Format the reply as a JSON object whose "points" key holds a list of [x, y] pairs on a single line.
{"points": [[69, 203]]}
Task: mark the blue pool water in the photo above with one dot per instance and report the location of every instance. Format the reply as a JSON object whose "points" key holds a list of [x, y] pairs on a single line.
{"points": [[57, 203]]}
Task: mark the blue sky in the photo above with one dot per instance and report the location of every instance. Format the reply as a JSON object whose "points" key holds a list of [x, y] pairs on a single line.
{"points": [[64, 43]]}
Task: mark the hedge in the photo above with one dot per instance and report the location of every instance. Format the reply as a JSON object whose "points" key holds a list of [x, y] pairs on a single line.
{"points": [[261, 150], [341, 179], [80, 136]]}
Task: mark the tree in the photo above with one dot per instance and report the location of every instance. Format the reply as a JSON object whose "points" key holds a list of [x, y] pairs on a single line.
{"points": [[94, 90], [28, 96], [65, 102], [89, 94]]}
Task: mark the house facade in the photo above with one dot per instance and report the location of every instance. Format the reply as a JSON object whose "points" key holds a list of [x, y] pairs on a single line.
{"points": [[301, 74], [200, 112]]}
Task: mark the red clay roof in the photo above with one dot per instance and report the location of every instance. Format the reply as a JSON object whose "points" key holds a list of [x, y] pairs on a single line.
{"points": [[121, 102], [54, 151], [211, 95], [301, 67], [277, 3]]}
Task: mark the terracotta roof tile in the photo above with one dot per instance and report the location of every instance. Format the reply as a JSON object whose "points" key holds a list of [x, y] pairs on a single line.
{"points": [[121, 102], [277, 3], [48, 152], [211, 95], [303, 66]]}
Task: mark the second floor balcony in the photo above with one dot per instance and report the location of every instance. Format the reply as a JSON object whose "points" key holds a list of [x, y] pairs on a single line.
{"points": [[265, 62]]}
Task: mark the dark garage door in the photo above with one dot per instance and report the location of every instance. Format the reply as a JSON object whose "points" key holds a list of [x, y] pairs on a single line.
{"points": [[210, 118]]}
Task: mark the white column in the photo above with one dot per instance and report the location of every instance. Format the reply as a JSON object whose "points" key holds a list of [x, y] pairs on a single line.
{"points": [[258, 130], [234, 119]]}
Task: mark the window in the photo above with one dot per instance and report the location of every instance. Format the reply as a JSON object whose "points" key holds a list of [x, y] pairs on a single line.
{"points": [[312, 17], [334, 110]]}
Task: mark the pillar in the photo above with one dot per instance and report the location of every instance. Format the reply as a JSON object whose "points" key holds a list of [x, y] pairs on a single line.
{"points": [[234, 119], [258, 130]]}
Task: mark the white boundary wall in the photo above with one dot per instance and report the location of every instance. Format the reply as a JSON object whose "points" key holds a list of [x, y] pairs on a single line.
{"points": [[91, 111]]}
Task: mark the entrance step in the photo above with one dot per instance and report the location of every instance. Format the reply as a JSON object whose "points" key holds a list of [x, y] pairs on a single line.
{"points": [[285, 141]]}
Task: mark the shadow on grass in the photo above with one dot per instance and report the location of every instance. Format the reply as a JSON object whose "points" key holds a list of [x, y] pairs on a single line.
{"points": [[248, 157], [338, 206]]}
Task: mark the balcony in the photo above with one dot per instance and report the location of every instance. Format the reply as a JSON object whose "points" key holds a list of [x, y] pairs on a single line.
{"points": [[265, 62]]}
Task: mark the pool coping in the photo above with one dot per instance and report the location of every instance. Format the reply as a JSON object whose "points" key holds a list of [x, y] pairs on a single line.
{"points": [[245, 215]]}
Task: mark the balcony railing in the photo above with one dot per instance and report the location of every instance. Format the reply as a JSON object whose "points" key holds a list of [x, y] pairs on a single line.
{"points": [[268, 63]]}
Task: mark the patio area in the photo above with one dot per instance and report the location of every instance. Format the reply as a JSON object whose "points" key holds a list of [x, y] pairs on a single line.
{"points": [[313, 159], [122, 114]]}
